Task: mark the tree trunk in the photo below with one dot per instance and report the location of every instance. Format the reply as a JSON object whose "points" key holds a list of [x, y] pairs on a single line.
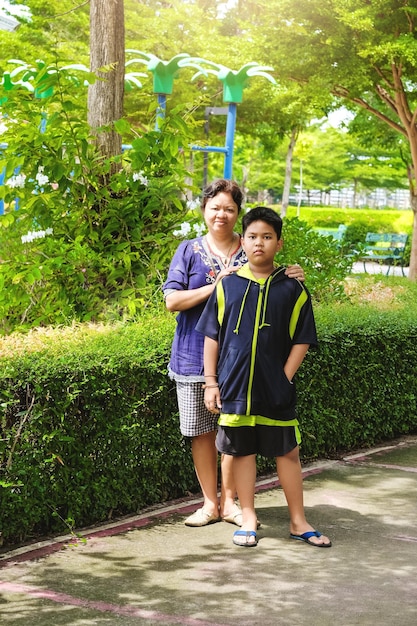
{"points": [[411, 175], [107, 48], [412, 272], [355, 193], [288, 172]]}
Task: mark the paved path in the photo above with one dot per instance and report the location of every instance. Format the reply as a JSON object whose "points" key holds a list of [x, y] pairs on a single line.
{"points": [[376, 268], [151, 569]]}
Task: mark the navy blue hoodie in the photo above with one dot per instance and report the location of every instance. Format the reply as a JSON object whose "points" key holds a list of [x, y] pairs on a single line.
{"points": [[256, 324]]}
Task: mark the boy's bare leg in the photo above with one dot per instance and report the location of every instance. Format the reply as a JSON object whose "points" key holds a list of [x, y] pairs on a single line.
{"points": [[205, 462], [244, 469], [291, 479], [228, 488]]}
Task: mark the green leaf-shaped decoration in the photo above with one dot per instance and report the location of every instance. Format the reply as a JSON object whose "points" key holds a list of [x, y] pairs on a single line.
{"points": [[233, 81], [163, 72]]}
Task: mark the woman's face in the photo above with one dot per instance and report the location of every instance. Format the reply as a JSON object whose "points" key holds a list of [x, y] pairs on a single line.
{"points": [[221, 213]]}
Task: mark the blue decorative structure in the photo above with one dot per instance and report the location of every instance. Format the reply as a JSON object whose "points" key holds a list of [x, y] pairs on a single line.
{"points": [[20, 77], [164, 73], [234, 83]]}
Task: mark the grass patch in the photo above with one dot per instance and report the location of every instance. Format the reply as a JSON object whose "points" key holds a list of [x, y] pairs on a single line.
{"points": [[383, 293], [377, 220]]}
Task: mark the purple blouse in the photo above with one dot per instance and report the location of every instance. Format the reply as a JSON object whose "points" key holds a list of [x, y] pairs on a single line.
{"points": [[193, 266]]}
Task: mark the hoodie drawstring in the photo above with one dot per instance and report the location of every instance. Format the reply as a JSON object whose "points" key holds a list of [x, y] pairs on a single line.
{"points": [[242, 306], [265, 302]]}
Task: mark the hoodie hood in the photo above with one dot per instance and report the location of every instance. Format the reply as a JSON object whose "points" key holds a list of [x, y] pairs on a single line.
{"points": [[245, 272]]}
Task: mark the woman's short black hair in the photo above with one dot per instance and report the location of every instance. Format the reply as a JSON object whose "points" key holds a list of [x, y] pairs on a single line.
{"points": [[223, 185]]}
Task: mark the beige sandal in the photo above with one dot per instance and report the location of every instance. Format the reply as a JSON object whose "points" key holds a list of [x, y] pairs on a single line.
{"points": [[235, 517], [201, 518]]}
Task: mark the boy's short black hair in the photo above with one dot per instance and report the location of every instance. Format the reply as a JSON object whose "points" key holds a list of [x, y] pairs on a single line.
{"points": [[264, 214]]}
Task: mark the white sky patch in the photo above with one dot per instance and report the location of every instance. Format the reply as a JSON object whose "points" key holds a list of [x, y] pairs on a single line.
{"points": [[336, 118], [339, 116], [224, 7], [10, 13]]}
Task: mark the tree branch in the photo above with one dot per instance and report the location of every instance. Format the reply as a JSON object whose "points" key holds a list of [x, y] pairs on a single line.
{"points": [[342, 92], [383, 77], [72, 10], [410, 21], [387, 98], [404, 111]]}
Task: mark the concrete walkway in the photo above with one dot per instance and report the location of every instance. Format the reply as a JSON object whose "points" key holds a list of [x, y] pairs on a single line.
{"points": [[152, 569], [376, 268]]}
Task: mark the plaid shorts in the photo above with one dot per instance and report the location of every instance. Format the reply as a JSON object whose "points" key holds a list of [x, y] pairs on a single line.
{"points": [[194, 418]]}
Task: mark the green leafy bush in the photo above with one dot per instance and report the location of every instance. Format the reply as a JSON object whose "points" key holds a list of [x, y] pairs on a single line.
{"points": [[375, 220], [357, 386], [91, 238], [324, 263], [358, 222], [88, 427]]}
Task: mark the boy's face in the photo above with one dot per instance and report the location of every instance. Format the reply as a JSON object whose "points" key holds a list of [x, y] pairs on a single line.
{"points": [[261, 243]]}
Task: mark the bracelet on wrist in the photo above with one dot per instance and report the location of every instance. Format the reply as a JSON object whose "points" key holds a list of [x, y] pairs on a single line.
{"points": [[209, 386], [210, 375]]}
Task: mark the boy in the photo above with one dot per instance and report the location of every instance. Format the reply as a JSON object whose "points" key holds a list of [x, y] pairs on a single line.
{"points": [[258, 326]]}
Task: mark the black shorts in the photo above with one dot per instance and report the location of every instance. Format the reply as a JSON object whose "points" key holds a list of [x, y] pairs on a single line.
{"points": [[269, 441]]}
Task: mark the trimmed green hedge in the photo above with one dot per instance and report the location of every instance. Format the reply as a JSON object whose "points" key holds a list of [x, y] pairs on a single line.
{"points": [[358, 388], [89, 428], [89, 424]]}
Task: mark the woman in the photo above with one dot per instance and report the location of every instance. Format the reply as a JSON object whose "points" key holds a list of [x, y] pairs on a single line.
{"points": [[196, 268]]}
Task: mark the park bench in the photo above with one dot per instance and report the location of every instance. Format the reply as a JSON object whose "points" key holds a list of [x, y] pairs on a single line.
{"points": [[386, 248], [337, 234]]}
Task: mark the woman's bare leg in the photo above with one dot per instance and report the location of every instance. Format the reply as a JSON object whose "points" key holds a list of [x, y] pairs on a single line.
{"points": [[205, 462]]}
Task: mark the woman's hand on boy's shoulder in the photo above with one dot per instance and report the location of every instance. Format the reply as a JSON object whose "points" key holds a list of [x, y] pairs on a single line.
{"points": [[295, 271], [227, 271]]}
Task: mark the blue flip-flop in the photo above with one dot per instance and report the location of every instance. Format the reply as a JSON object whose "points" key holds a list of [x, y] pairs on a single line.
{"points": [[306, 538], [248, 534]]}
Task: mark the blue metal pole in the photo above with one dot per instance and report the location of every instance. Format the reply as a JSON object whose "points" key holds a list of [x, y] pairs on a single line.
{"points": [[160, 112], [2, 174], [230, 137], [43, 123], [210, 149]]}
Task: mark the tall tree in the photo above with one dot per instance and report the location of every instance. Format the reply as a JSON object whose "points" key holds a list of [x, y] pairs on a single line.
{"points": [[107, 60], [364, 53]]}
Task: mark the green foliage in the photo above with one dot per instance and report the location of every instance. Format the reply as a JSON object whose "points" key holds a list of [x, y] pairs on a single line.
{"points": [[92, 238], [324, 263], [358, 222], [88, 426], [332, 158], [55, 27], [377, 220]]}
